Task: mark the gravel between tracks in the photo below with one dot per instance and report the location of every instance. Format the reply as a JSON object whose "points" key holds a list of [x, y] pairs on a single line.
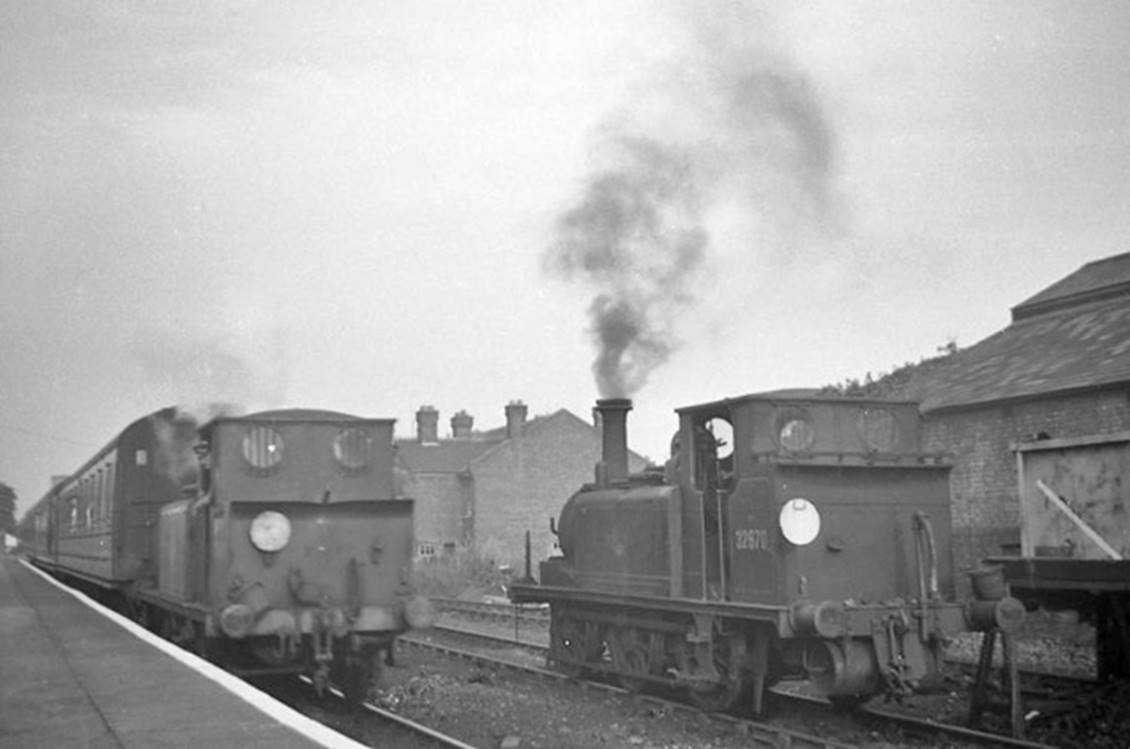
{"points": [[1049, 642], [487, 707]]}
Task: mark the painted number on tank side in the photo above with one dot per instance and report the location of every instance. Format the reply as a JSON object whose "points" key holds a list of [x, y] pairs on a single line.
{"points": [[756, 539]]}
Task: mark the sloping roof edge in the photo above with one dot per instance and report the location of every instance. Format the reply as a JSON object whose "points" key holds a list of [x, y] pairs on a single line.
{"points": [[1094, 281], [538, 424]]}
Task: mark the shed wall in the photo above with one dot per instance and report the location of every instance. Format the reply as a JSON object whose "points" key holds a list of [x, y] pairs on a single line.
{"points": [[983, 483]]}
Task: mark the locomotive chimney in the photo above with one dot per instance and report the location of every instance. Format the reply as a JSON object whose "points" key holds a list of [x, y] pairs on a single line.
{"points": [[613, 413]]}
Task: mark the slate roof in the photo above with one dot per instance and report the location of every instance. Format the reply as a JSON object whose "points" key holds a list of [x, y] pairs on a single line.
{"points": [[1101, 279], [445, 456], [457, 455], [499, 434], [1072, 336]]}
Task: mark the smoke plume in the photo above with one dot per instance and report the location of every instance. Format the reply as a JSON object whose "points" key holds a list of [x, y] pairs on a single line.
{"points": [[175, 430], [733, 122]]}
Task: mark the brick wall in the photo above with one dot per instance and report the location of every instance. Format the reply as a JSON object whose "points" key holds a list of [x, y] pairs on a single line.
{"points": [[525, 482], [983, 483], [439, 508]]}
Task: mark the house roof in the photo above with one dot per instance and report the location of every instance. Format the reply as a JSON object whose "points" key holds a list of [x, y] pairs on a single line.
{"points": [[499, 433], [560, 415], [1101, 279], [456, 455], [445, 456], [1072, 348]]}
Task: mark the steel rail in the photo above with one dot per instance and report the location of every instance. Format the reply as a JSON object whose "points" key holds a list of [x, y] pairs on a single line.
{"points": [[441, 738], [924, 724], [506, 613]]}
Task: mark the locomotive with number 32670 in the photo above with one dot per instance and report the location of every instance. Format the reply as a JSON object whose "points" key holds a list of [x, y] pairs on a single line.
{"points": [[789, 536]]}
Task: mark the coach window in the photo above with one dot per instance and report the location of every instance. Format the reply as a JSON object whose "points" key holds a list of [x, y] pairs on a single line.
{"points": [[110, 469], [74, 513], [101, 484]]}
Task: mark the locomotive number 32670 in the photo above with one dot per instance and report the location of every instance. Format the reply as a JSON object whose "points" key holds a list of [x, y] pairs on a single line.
{"points": [[756, 539]]}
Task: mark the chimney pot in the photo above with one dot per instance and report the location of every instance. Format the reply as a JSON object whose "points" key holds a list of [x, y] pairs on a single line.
{"points": [[515, 419], [461, 424], [427, 425]]}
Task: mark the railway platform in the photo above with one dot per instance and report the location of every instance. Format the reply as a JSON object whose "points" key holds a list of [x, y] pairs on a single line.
{"points": [[73, 674]]}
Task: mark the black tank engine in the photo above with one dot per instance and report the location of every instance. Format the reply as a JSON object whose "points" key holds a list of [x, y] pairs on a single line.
{"points": [[786, 537]]}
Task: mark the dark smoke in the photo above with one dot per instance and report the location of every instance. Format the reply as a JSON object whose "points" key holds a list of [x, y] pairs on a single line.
{"points": [[175, 435], [175, 430], [636, 235], [737, 122]]}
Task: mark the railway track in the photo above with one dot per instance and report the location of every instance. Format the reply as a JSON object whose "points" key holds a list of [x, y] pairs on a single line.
{"points": [[1043, 685], [755, 733], [762, 734], [391, 729], [536, 615], [1056, 705]]}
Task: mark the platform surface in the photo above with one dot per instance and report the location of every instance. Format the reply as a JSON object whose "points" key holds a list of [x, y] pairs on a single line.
{"points": [[71, 676]]}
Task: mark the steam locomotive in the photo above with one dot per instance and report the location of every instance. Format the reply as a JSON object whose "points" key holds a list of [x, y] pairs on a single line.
{"points": [[271, 543], [788, 536]]}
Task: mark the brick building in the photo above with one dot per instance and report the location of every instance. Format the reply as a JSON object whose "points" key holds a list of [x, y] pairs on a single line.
{"points": [[1060, 369], [484, 489]]}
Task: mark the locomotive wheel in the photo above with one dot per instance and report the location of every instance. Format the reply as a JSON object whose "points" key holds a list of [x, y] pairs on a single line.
{"points": [[572, 644], [725, 694], [846, 703], [719, 697], [355, 673], [630, 656]]}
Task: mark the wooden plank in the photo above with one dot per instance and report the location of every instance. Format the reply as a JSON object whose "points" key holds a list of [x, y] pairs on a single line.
{"points": [[1067, 442], [1027, 538], [1087, 530]]}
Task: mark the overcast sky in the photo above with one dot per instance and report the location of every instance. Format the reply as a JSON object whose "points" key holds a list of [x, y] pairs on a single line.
{"points": [[371, 206]]}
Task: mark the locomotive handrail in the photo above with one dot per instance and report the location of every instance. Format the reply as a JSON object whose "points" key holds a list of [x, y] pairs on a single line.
{"points": [[923, 529]]}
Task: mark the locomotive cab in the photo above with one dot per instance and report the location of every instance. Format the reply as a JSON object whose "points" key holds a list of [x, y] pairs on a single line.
{"points": [[827, 510]]}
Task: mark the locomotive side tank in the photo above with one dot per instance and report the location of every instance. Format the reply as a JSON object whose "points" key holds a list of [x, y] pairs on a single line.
{"points": [[787, 536]]}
